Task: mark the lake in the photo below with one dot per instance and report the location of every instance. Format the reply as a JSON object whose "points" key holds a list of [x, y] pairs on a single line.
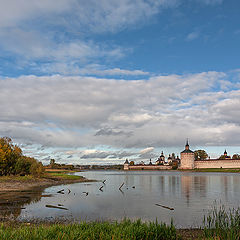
{"points": [[190, 194]]}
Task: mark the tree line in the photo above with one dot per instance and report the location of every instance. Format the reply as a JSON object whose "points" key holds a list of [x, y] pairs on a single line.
{"points": [[13, 162]]}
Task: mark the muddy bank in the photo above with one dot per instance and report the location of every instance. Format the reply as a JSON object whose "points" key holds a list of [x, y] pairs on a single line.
{"points": [[15, 185]]}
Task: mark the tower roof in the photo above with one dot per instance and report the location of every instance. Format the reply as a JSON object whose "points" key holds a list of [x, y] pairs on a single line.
{"points": [[187, 150], [126, 162]]}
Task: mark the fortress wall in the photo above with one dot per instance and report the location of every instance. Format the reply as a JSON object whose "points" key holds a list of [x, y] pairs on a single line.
{"points": [[228, 163], [149, 167]]}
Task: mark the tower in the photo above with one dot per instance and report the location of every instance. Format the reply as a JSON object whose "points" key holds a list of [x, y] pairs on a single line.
{"points": [[187, 158], [126, 165]]}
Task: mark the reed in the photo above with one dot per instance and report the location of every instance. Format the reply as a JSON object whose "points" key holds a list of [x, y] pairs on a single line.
{"points": [[222, 224]]}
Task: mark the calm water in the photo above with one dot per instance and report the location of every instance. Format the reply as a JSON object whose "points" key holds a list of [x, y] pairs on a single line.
{"points": [[190, 194]]}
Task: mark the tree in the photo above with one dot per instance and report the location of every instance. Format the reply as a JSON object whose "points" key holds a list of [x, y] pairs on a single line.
{"points": [[12, 161], [23, 166], [236, 156], [52, 162], [200, 155], [9, 154]]}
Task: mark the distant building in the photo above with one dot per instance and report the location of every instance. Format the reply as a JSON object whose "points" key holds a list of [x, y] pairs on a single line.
{"points": [[161, 159], [188, 161]]}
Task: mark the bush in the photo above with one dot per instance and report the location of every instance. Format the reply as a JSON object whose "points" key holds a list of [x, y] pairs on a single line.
{"points": [[37, 169]]}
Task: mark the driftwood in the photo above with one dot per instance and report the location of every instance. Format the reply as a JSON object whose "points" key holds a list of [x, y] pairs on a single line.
{"points": [[121, 186], [121, 191], [61, 191], [52, 206], [164, 206]]}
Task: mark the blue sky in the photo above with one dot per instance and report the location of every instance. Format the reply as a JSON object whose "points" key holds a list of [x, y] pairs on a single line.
{"points": [[101, 81]]}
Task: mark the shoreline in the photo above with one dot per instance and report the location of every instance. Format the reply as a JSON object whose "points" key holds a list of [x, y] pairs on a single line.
{"points": [[19, 185], [16, 191]]}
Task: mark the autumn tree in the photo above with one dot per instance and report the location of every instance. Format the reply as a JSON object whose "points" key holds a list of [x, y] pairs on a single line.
{"points": [[8, 156], [12, 161], [200, 155]]}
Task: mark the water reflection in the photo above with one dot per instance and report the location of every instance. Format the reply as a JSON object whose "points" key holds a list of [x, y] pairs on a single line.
{"points": [[190, 194], [12, 203]]}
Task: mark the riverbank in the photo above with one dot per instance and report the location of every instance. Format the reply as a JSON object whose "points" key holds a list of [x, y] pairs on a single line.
{"points": [[26, 183]]}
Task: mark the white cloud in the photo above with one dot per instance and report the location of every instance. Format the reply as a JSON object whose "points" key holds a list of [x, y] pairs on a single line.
{"points": [[71, 68], [147, 150], [192, 36], [118, 71], [211, 2]]}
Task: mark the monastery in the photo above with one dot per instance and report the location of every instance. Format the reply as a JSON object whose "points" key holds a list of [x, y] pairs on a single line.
{"points": [[186, 161]]}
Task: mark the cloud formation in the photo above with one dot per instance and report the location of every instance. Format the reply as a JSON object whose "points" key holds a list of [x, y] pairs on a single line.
{"points": [[54, 38], [62, 111]]}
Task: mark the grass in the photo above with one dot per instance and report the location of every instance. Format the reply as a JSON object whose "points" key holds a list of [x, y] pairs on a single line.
{"points": [[94, 230], [62, 176], [222, 224], [57, 175], [228, 170], [17, 178]]}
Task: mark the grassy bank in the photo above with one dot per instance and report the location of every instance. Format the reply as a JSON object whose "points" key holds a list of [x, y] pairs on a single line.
{"points": [[224, 170], [94, 230], [61, 175]]}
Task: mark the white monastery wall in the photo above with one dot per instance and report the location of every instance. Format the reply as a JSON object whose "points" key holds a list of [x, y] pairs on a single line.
{"points": [[228, 163]]}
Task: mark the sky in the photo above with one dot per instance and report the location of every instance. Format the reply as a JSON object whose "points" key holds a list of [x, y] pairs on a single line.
{"points": [[99, 81]]}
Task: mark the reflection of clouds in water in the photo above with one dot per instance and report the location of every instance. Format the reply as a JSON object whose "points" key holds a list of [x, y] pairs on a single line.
{"points": [[12, 203], [190, 194]]}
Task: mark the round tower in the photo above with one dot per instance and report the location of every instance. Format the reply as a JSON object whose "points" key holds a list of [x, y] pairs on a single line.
{"points": [[187, 158], [126, 165]]}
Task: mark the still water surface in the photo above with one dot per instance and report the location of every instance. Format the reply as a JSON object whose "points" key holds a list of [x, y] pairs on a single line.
{"points": [[190, 194]]}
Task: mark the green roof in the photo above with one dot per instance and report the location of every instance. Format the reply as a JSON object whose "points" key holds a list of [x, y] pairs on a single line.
{"points": [[187, 151]]}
